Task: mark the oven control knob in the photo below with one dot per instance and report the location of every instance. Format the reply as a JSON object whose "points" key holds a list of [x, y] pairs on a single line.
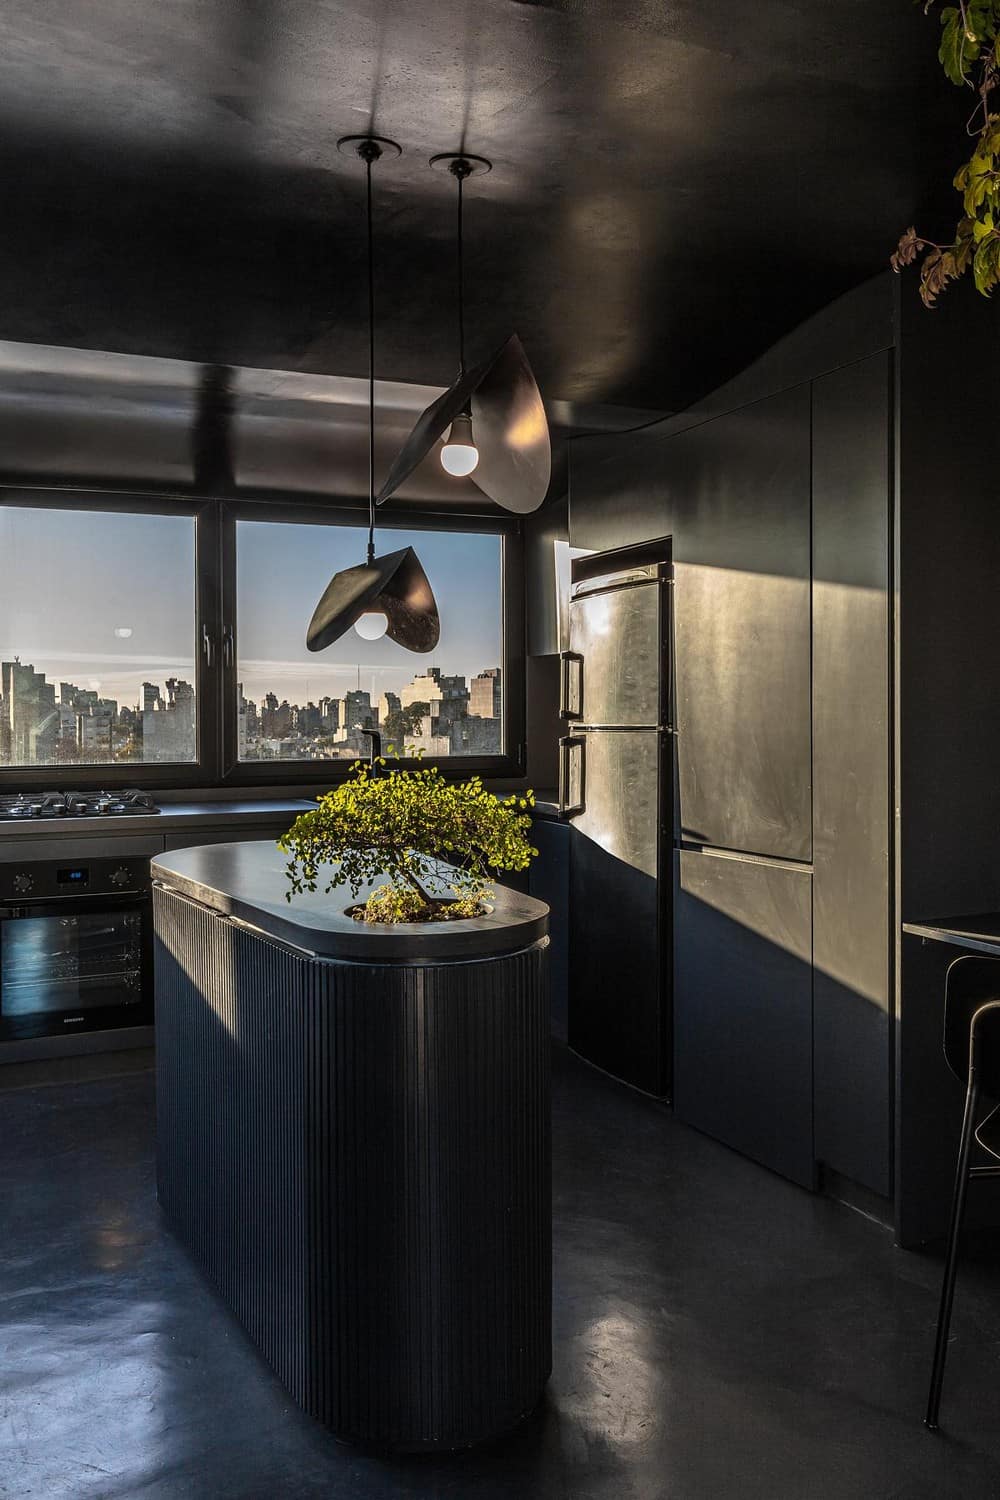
{"points": [[22, 884], [121, 877]]}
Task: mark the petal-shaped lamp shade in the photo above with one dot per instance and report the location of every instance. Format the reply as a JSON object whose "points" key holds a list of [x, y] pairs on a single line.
{"points": [[395, 584], [511, 432], [509, 426]]}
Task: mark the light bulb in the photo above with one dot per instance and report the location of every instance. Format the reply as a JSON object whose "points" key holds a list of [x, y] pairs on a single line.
{"points": [[372, 626], [459, 456]]}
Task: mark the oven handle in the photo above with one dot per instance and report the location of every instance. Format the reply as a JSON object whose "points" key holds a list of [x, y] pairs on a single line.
{"points": [[48, 905]]}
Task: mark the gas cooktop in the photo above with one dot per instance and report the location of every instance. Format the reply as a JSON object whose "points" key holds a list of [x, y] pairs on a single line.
{"points": [[25, 805]]}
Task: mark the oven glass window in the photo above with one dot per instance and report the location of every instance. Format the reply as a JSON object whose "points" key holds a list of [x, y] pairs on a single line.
{"points": [[69, 963]]}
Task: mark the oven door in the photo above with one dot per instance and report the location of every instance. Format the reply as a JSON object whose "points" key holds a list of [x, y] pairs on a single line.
{"points": [[78, 965]]}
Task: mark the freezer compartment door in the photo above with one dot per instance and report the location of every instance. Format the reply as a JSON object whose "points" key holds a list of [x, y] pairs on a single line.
{"points": [[618, 1003], [617, 638]]}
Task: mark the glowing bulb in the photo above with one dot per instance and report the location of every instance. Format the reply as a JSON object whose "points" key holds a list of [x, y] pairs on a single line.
{"points": [[459, 456], [372, 626]]}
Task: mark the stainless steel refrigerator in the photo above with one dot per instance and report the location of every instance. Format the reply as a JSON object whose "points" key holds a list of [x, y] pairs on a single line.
{"points": [[616, 789]]}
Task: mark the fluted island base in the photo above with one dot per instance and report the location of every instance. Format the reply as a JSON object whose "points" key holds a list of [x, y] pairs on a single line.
{"points": [[358, 1155]]}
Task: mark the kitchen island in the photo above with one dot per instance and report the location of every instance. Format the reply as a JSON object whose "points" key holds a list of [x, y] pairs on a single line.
{"points": [[353, 1141]]}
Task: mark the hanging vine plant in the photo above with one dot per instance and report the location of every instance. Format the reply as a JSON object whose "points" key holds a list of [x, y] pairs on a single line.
{"points": [[969, 57]]}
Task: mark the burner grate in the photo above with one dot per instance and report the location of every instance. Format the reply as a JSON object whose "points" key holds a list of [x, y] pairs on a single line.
{"points": [[130, 802]]}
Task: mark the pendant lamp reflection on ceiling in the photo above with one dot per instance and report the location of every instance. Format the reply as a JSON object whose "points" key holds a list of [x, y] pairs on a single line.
{"points": [[493, 415], [388, 595]]}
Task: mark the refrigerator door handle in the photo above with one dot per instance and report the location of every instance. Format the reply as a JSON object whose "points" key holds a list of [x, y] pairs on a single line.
{"points": [[572, 797], [570, 685]]}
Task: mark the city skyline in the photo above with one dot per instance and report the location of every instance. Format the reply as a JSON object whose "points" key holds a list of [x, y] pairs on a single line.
{"points": [[60, 722], [129, 616]]}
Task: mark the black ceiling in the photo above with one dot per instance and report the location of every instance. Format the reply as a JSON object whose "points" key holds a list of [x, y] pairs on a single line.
{"points": [[676, 182]]}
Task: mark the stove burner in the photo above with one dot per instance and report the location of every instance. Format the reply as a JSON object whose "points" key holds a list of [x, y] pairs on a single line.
{"points": [[98, 804]]}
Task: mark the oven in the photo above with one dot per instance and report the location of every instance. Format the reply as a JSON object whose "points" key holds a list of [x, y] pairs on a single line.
{"points": [[76, 947]]}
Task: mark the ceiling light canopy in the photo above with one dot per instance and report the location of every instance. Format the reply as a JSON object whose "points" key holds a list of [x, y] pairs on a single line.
{"points": [[389, 595], [498, 434]]}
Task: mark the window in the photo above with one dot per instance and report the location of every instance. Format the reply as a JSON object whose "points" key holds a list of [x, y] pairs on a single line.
{"points": [[97, 639], [161, 641], [294, 705]]}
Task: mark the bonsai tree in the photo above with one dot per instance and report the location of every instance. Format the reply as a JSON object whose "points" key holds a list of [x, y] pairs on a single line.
{"points": [[405, 825]]}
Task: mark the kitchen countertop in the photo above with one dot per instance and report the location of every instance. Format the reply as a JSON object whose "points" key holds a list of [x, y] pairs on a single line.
{"points": [[248, 882], [176, 817], [980, 933], [173, 817], [547, 807]]}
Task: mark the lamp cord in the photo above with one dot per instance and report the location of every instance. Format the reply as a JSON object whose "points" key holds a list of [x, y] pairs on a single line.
{"points": [[372, 155], [461, 281]]}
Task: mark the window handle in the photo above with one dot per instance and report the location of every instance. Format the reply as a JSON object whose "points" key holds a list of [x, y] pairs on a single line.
{"points": [[206, 646], [227, 646]]}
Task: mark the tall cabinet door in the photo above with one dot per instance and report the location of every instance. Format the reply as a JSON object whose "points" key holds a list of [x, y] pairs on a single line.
{"points": [[743, 1008], [742, 610]]}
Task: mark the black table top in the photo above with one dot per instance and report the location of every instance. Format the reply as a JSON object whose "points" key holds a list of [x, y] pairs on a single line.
{"points": [[980, 933], [248, 881]]}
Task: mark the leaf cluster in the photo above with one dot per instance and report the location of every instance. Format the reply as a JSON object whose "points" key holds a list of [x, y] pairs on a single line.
{"points": [[390, 905], [969, 56], [402, 826]]}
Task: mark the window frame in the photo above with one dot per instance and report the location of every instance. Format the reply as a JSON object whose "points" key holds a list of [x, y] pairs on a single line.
{"points": [[217, 766], [511, 760]]}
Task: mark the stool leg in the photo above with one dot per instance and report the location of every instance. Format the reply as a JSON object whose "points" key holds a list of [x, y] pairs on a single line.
{"points": [[951, 1262]]}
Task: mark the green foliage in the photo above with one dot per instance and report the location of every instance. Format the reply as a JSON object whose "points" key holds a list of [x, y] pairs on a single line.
{"points": [[402, 825], [969, 56], [387, 904]]}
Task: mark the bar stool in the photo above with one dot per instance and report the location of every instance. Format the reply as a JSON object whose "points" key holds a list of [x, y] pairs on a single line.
{"points": [[972, 1051]]}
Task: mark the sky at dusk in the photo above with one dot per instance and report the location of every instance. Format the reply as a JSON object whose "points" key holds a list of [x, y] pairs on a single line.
{"points": [[107, 602]]}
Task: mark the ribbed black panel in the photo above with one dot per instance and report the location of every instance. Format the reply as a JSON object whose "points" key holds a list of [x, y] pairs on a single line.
{"points": [[359, 1157]]}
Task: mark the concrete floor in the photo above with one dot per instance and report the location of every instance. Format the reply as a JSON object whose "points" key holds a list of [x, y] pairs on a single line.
{"points": [[718, 1334]]}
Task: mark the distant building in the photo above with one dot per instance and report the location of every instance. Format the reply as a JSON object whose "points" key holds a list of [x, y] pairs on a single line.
{"points": [[31, 719], [355, 712], [448, 696], [93, 733], [168, 730], [466, 736], [485, 694], [275, 718]]}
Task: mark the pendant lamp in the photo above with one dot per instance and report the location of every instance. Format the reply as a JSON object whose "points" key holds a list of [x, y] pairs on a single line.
{"points": [[493, 415], [388, 595]]}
